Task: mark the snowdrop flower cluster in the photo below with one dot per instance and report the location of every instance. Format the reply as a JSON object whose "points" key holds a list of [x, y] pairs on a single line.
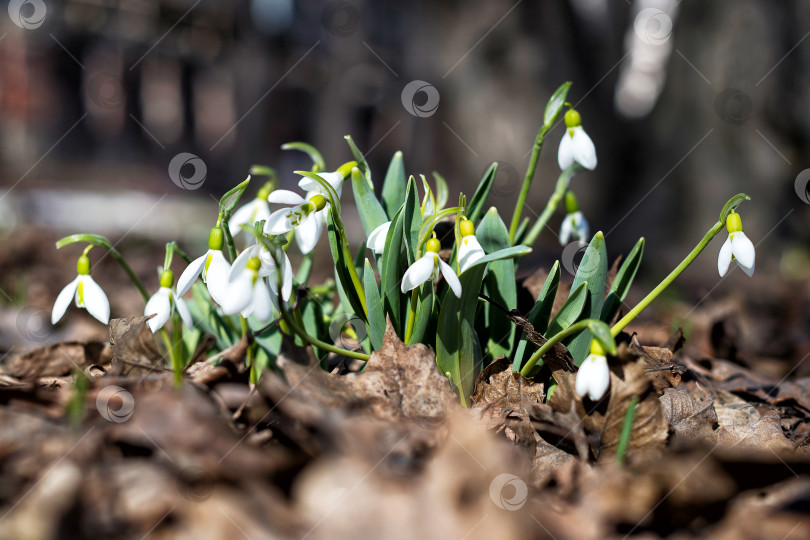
{"points": [[86, 293], [737, 248]]}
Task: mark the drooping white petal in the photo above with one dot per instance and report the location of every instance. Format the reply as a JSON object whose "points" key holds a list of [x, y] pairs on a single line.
{"points": [[285, 196], [280, 221], [565, 229], [469, 252], [160, 306], [582, 227], [240, 294], [216, 276], [95, 301], [262, 307], [724, 259], [190, 274], [334, 179], [420, 271], [308, 232], [450, 277], [582, 149], [593, 377], [743, 250], [182, 309], [63, 301], [376, 239], [565, 154], [286, 278], [250, 213], [240, 262]]}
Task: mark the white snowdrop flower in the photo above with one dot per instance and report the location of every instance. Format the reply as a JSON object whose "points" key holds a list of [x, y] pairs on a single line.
{"points": [[211, 266], [306, 216], [574, 225], [256, 210], [737, 247], [376, 239], [576, 145], [269, 269], [163, 303], [428, 267], [248, 293], [470, 250], [87, 295], [593, 377]]}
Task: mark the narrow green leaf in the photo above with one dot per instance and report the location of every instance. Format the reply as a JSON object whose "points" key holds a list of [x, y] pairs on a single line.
{"points": [[94, 239], [228, 201], [455, 336], [393, 189], [361, 160], [442, 191], [592, 270], [624, 278], [555, 104], [502, 254], [479, 198], [342, 268], [411, 220], [424, 313], [570, 311], [732, 205], [393, 267], [495, 330], [539, 315], [311, 151], [371, 212], [376, 317]]}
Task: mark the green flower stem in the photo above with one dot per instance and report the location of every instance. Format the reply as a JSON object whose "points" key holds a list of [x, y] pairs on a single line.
{"points": [[627, 429], [222, 221], [553, 202], [553, 340], [315, 342], [633, 313], [411, 315], [177, 367], [527, 182], [358, 285]]}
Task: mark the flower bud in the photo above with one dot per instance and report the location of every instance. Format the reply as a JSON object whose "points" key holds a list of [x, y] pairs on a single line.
{"points": [[571, 204], [167, 279], [319, 201], [83, 266], [466, 228], [572, 119], [215, 238], [734, 223], [433, 245]]}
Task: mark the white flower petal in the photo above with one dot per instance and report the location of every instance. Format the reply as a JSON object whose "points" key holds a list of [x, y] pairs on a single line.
{"points": [[724, 259], [279, 221], [582, 149], [240, 262], [593, 377], [262, 306], [185, 314], [419, 272], [285, 196], [160, 306], [244, 216], [566, 229], [190, 274], [376, 240], [450, 277], [307, 233], [334, 179], [63, 301], [239, 295], [743, 250], [216, 276], [95, 301], [581, 226], [286, 279], [469, 252], [565, 154]]}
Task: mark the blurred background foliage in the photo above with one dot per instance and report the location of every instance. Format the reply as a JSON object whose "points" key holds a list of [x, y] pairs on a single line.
{"points": [[97, 100]]}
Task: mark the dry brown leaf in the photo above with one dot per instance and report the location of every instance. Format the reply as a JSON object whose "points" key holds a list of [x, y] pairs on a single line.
{"points": [[134, 349], [59, 359]]}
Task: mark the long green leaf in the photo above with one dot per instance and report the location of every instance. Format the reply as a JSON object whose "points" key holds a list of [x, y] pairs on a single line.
{"points": [[455, 336], [570, 311], [593, 270], [411, 220], [442, 191], [479, 198], [228, 201], [311, 151], [361, 160], [376, 317], [502, 254], [393, 189], [495, 330], [342, 268], [393, 263], [621, 284], [371, 212], [539, 314]]}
